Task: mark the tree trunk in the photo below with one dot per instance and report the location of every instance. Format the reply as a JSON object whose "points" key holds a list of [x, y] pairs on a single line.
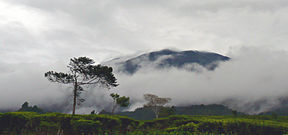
{"points": [[156, 114], [113, 108], [156, 111], [74, 98]]}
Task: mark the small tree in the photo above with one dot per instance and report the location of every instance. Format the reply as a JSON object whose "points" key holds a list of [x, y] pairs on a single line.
{"points": [[167, 111], [155, 103], [92, 112], [82, 71], [25, 105], [119, 101], [274, 115], [234, 113]]}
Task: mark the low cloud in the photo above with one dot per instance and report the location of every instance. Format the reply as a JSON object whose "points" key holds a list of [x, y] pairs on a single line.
{"points": [[253, 81]]}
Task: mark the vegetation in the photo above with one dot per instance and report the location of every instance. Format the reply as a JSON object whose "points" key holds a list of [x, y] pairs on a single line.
{"points": [[83, 72], [26, 108], [213, 109], [167, 111], [119, 101], [31, 123], [155, 103]]}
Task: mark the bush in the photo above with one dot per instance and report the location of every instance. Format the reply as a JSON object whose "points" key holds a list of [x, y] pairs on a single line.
{"points": [[13, 122], [86, 126]]}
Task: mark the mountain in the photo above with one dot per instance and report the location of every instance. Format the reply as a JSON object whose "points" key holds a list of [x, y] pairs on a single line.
{"points": [[168, 58]]}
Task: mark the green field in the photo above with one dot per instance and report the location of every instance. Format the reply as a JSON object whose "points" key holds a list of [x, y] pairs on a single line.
{"points": [[28, 123]]}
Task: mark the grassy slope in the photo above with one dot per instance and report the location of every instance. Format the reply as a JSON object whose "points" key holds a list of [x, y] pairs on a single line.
{"points": [[27, 123]]}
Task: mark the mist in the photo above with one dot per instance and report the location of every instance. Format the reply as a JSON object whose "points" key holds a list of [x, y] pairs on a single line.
{"points": [[253, 81]]}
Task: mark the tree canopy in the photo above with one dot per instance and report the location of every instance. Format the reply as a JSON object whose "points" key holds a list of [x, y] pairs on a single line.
{"points": [[155, 103], [26, 108], [82, 71], [119, 101]]}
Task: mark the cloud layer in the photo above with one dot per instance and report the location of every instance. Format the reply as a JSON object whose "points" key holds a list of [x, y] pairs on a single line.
{"points": [[253, 81], [50, 30]]}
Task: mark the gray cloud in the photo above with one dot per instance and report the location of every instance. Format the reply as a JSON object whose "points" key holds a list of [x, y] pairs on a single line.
{"points": [[129, 26]]}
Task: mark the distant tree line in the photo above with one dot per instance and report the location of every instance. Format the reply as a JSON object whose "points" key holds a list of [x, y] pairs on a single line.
{"points": [[26, 108]]}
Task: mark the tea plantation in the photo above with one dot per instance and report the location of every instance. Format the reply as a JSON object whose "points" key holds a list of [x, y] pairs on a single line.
{"points": [[29, 123]]}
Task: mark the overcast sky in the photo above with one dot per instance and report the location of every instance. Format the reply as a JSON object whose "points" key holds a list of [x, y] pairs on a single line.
{"points": [[41, 35], [44, 31]]}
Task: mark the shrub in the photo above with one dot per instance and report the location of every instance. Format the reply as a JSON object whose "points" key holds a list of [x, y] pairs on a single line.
{"points": [[86, 126]]}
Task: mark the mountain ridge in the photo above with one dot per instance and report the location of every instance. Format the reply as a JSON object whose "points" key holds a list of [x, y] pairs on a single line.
{"points": [[168, 58]]}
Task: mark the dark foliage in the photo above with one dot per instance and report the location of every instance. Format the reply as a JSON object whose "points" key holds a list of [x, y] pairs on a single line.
{"points": [[147, 114], [83, 72], [26, 108], [119, 101]]}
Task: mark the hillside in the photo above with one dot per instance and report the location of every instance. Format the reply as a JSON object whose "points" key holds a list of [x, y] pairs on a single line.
{"points": [[26, 123], [281, 111], [147, 114]]}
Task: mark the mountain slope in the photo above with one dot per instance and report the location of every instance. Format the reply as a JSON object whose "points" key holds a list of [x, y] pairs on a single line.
{"points": [[168, 58]]}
